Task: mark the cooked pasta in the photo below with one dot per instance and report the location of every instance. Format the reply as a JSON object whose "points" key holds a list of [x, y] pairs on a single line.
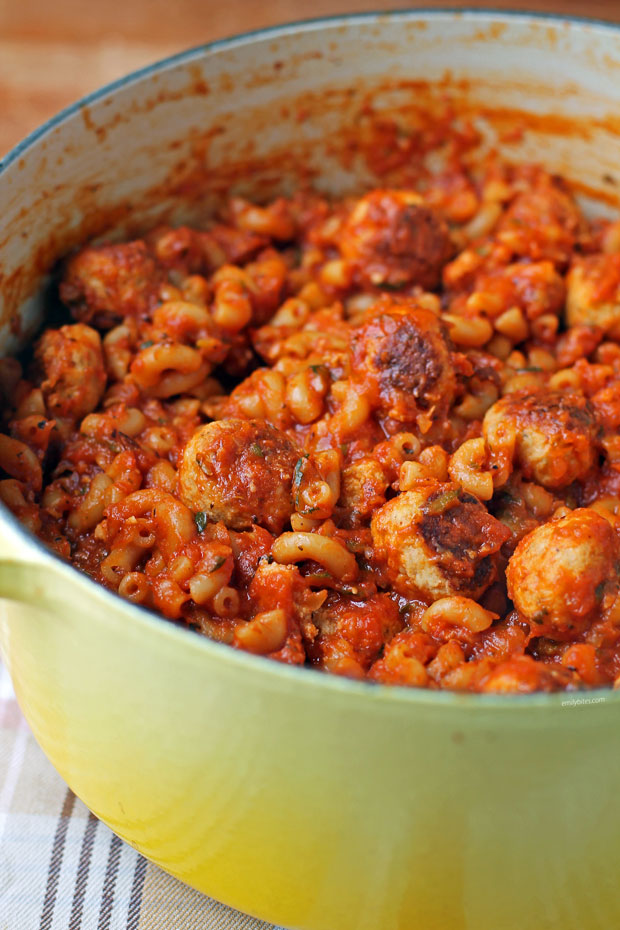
{"points": [[378, 435]]}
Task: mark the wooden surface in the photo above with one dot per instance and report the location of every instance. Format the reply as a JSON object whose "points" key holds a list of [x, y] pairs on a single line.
{"points": [[51, 53]]}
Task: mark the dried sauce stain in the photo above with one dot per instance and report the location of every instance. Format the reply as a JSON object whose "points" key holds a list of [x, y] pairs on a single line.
{"points": [[611, 198], [552, 36], [199, 86], [610, 63], [491, 32], [87, 118], [263, 77]]}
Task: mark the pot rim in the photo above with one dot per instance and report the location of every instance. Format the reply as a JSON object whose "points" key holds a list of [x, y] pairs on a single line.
{"points": [[297, 676]]}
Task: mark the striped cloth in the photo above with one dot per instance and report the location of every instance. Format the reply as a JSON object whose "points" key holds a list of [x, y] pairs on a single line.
{"points": [[62, 869]]}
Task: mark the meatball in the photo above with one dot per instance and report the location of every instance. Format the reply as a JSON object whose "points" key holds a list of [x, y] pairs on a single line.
{"points": [[109, 282], [436, 540], [534, 287], [362, 489], [564, 574], [551, 437], [240, 472], [402, 354], [593, 293], [73, 379], [352, 633], [542, 222], [394, 240]]}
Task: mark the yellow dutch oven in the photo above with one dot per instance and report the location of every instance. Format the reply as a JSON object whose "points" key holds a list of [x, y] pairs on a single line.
{"points": [[307, 800]]}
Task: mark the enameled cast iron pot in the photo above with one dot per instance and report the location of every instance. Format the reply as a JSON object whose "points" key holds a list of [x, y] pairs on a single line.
{"points": [[307, 800]]}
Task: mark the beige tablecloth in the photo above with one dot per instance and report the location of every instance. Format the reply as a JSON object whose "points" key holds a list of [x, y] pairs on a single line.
{"points": [[62, 869]]}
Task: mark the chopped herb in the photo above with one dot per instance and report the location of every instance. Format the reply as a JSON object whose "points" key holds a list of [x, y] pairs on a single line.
{"points": [[528, 368], [540, 616], [218, 563], [257, 450], [354, 545], [298, 474], [42, 424], [442, 502], [317, 369], [201, 465], [147, 344], [599, 591], [200, 519]]}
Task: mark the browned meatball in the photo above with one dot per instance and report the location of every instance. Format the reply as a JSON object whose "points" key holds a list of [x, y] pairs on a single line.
{"points": [[593, 293], [240, 472], [551, 437], [565, 573], [110, 281], [534, 287], [436, 540], [542, 222], [393, 240], [402, 355], [362, 489], [352, 633], [73, 373]]}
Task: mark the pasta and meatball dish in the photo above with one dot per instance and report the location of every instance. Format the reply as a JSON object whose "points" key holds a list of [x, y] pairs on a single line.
{"points": [[378, 435]]}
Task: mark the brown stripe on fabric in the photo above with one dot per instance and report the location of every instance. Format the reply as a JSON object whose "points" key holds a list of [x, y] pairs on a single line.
{"points": [[53, 872], [135, 901], [109, 883], [88, 840]]}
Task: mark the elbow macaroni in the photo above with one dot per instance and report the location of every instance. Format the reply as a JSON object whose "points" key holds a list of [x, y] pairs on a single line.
{"points": [[371, 435]]}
